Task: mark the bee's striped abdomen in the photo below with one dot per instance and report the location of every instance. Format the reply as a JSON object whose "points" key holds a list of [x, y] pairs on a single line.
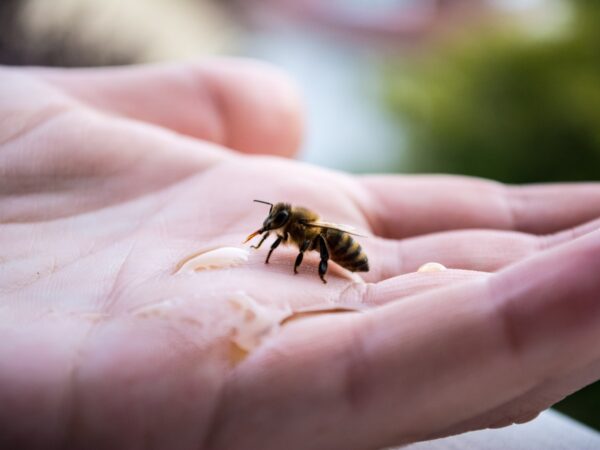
{"points": [[345, 251]]}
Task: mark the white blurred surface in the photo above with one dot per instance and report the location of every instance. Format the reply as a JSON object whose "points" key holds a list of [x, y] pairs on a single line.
{"points": [[550, 431], [347, 127]]}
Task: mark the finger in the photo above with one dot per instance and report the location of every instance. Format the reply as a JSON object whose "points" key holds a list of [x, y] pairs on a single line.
{"points": [[404, 286], [241, 104], [478, 250], [399, 207], [528, 406], [401, 372]]}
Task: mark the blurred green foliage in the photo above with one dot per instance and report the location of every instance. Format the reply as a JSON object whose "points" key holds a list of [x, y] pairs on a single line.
{"points": [[583, 405], [505, 105], [502, 104]]}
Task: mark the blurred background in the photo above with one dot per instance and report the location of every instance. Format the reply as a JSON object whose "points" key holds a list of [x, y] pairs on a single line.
{"points": [[502, 89]]}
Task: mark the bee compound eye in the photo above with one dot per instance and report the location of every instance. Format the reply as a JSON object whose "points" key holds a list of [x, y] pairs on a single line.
{"points": [[281, 217]]}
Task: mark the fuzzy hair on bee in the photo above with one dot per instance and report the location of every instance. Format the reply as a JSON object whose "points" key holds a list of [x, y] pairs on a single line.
{"points": [[301, 227]]}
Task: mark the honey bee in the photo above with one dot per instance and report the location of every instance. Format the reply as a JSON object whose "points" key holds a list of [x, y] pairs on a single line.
{"points": [[302, 227]]}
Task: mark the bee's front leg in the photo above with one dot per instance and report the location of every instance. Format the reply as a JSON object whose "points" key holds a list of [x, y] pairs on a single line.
{"points": [[324, 251], [257, 246], [273, 247]]}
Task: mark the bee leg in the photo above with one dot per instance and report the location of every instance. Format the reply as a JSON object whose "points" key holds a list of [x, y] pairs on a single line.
{"points": [[257, 246], [324, 258], [273, 247], [303, 248]]}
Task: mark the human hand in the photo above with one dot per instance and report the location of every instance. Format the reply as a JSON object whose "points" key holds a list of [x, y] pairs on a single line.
{"points": [[102, 345]]}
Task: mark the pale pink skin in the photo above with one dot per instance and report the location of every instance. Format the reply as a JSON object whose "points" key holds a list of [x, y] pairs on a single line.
{"points": [[108, 178]]}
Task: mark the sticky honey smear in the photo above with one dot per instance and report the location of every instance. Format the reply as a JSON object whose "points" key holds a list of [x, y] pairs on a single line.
{"points": [[257, 323], [432, 267], [236, 353], [218, 258], [162, 309]]}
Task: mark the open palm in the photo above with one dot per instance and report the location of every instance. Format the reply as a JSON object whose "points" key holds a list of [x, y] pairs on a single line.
{"points": [[110, 178]]}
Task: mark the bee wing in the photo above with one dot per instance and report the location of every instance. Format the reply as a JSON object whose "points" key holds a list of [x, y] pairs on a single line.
{"points": [[333, 226]]}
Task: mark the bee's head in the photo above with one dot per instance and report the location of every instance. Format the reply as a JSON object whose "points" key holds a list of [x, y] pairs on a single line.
{"points": [[279, 214]]}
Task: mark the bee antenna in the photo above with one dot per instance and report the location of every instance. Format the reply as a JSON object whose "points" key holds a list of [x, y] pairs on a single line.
{"points": [[266, 203]]}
